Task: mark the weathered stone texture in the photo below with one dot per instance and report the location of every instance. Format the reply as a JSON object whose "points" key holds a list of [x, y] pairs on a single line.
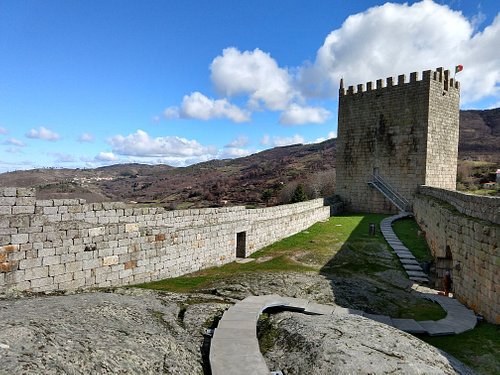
{"points": [[473, 244], [68, 244], [406, 133]]}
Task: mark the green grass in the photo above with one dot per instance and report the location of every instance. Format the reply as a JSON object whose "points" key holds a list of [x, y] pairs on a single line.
{"points": [[342, 246], [478, 348], [308, 250], [408, 231]]}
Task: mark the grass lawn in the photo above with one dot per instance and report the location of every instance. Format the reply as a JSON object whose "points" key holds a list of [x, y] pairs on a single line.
{"points": [[342, 246], [479, 348], [315, 246], [407, 230]]}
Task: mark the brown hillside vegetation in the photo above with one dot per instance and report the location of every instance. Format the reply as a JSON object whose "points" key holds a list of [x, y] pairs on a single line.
{"points": [[266, 178]]}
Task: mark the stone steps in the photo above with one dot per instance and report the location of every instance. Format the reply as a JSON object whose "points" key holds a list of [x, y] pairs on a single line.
{"points": [[407, 259]]}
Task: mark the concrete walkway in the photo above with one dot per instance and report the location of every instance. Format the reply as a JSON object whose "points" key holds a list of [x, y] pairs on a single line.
{"points": [[235, 349]]}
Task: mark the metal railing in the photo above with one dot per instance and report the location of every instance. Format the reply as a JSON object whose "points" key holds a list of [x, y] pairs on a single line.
{"points": [[390, 193]]}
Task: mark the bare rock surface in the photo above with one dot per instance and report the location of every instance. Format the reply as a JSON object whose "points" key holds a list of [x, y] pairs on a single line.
{"points": [[137, 331], [343, 344], [133, 332]]}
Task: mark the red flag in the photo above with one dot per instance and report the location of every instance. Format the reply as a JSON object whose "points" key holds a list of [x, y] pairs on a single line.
{"points": [[459, 68]]}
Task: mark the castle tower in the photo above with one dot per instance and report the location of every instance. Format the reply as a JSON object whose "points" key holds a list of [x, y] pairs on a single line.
{"points": [[396, 137]]}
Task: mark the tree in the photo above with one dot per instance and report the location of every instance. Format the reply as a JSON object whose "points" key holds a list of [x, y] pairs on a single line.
{"points": [[267, 194], [299, 195]]}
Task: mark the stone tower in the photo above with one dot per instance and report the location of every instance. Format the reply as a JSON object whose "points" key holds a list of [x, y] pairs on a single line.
{"points": [[396, 137]]}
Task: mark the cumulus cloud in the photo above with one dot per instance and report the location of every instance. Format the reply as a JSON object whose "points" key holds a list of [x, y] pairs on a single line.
{"points": [[298, 115], [43, 133], [240, 141], [198, 106], [253, 73], [3, 130], [61, 157], [234, 152], [106, 156], [140, 144], [401, 38], [14, 142], [86, 137], [330, 135], [235, 148], [281, 141]]}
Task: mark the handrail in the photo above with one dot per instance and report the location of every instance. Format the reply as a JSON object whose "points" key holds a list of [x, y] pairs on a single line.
{"points": [[391, 193], [391, 189]]}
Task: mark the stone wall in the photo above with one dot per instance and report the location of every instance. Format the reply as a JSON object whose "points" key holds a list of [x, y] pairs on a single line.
{"points": [[406, 132], [63, 244], [460, 236], [481, 207]]}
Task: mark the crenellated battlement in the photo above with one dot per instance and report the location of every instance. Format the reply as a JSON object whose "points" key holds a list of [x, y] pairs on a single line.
{"points": [[439, 75]]}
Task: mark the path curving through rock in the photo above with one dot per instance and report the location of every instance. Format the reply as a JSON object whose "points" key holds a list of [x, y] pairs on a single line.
{"points": [[235, 347]]}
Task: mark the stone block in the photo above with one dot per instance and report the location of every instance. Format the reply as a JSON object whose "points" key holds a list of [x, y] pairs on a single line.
{"points": [[9, 192], [99, 231], [26, 192], [57, 269], [7, 201], [110, 260], [51, 260], [44, 203], [38, 283], [91, 263], [132, 227], [9, 266], [74, 266], [25, 201], [19, 239], [36, 273], [30, 263], [17, 210]]}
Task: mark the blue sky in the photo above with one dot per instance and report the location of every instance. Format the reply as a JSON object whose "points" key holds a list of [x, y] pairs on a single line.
{"points": [[91, 83]]}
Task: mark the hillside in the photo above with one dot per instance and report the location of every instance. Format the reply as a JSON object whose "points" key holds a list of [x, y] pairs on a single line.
{"points": [[266, 178]]}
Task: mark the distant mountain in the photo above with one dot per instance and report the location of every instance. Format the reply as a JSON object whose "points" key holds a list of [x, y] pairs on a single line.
{"points": [[268, 177], [480, 135]]}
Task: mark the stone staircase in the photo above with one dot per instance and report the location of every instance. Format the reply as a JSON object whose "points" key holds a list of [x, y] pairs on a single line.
{"points": [[408, 261], [390, 193]]}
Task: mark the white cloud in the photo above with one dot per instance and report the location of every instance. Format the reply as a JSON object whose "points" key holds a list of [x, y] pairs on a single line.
{"points": [[399, 38], [281, 141], [234, 152], [86, 137], [298, 115], [106, 156], [140, 144], [253, 73], [43, 133], [171, 113], [198, 106], [240, 141], [14, 142], [330, 135], [266, 140], [61, 157], [3, 130]]}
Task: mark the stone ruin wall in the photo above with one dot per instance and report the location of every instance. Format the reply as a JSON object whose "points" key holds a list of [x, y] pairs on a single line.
{"points": [[406, 131], [468, 227], [64, 244]]}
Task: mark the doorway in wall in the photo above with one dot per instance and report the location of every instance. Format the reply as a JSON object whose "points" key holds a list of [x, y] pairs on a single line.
{"points": [[241, 244]]}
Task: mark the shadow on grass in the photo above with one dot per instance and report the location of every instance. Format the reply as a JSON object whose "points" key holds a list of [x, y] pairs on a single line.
{"points": [[366, 274]]}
